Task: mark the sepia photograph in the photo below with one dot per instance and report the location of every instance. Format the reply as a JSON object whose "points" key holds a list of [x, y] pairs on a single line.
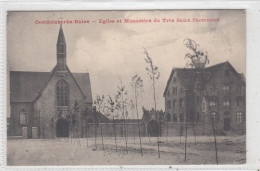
{"points": [[128, 87]]}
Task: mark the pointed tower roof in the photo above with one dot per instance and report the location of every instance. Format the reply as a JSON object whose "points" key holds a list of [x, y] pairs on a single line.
{"points": [[61, 38]]}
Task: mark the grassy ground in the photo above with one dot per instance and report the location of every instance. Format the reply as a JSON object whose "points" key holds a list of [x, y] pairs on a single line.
{"points": [[231, 150]]}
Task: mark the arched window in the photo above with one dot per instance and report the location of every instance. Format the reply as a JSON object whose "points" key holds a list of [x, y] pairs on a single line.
{"points": [[62, 93], [23, 117], [226, 101], [174, 90], [213, 101], [213, 117]]}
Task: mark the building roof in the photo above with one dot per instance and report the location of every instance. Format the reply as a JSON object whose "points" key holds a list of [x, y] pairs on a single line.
{"points": [[188, 75], [26, 86]]}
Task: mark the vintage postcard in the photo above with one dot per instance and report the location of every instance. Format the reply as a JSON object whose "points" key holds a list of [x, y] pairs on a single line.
{"points": [[153, 87]]}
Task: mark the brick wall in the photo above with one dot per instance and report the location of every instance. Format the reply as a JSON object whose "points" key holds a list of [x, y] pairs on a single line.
{"points": [[46, 104], [15, 126]]}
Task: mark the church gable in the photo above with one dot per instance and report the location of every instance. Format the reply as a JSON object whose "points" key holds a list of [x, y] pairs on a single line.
{"points": [[58, 80]]}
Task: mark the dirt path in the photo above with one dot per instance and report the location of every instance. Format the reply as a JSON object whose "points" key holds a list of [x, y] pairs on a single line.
{"points": [[231, 150]]}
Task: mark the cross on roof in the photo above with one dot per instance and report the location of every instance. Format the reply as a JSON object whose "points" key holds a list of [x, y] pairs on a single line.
{"points": [[61, 16], [61, 19]]}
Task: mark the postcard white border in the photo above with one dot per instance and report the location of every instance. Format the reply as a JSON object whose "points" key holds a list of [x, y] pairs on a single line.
{"points": [[252, 73]]}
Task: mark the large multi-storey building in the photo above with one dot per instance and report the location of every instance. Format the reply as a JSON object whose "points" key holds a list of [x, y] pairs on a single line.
{"points": [[211, 96]]}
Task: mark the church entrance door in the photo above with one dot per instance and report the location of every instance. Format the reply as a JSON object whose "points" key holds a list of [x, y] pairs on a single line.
{"points": [[62, 128]]}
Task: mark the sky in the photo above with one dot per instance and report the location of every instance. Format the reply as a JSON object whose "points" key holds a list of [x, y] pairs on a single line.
{"points": [[114, 52]]}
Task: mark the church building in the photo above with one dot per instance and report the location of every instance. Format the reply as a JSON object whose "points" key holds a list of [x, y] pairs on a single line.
{"points": [[39, 100]]}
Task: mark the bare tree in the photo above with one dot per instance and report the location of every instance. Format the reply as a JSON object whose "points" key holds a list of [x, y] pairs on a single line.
{"points": [[198, 60], [99, 102], [132, 107], [121, 106], [154, 75], [137, 84], [111, 108]]}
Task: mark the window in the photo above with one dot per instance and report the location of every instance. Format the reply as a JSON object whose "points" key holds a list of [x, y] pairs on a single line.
{"points": [[174, 118], [213, 117], [181, 102], [174, 103], [226, 87], [239, 117], [168, 117], [62, 93], [226, 101], [174, 90], [23, 117], [168, 104], [182, 117], [213, 101], [240, 101]]}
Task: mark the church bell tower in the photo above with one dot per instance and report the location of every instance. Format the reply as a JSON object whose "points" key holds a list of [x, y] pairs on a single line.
{"points": [[61, 51]]}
